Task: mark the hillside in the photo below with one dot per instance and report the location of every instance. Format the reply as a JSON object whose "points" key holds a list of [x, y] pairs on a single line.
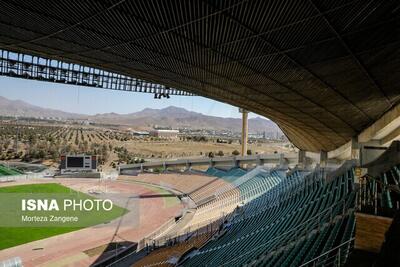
{"points": [[173, 117], [181, 118], [22, 109]]}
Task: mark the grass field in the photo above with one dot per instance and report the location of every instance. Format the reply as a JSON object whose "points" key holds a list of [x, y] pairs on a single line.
{"points": [[13, 236]]}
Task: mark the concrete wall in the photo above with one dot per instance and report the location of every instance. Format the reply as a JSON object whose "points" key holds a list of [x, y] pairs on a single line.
{"points": [[80, 175], [10, 178]]}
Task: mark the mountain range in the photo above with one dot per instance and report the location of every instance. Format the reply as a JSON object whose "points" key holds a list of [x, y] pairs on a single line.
{"points": [[22, 109], [171, 116]]}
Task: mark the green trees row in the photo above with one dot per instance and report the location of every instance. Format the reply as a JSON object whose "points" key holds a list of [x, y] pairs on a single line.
{"points": [[221, 153]]}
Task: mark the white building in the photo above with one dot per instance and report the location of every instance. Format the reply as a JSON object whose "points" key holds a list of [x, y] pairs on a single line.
{"points": [[170, 134]]}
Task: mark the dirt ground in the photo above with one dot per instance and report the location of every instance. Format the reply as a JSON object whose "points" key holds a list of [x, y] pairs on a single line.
{"points": [[173, 149]]}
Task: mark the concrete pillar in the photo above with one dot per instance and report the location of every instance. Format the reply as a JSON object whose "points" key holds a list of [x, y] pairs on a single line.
{"points": [[282, 161], [245, 130], [370, 151], [212, 163], [188, 165], [355, 149], [323, 158], [302, 158], [260, 161], [236, 162]]}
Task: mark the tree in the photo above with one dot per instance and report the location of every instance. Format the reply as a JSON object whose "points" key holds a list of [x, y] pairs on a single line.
{"points": [[220, 153], [249, 152], [41, 154], [235, 153], [210, 154], [85, 146], [6, 144], [103, 154], [53, 153], [32, 139]]}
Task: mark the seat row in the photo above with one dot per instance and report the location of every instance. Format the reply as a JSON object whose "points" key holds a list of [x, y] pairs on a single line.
{"points": [[302, 208]]}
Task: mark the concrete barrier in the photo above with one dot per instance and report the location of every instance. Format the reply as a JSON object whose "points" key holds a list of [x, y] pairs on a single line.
{"points": [[11, 178], [259, 159]]}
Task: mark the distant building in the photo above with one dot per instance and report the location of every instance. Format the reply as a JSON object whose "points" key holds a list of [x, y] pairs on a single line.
{"points": [[169, 134], [140, 133]]}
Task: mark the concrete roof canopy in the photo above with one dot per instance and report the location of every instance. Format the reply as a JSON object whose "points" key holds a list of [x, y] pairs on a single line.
{"points": [[322, 70]]}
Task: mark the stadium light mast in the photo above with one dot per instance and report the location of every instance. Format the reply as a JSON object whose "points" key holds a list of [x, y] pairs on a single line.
{"points": [[245, 130]]}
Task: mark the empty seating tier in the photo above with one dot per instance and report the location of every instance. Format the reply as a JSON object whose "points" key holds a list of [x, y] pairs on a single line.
{"points": [[293, 223], [5, 171], [266, 218], [198, 187], [379, 195], [168, 256]]}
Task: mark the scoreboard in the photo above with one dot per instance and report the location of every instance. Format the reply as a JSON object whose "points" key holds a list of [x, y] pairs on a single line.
{"points": [[78, 163]]}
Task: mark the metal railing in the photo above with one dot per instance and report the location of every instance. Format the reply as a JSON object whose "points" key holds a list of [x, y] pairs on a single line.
{"points": [[334, 257], [210, 226], [371, 197], [19, 177], [13, 262], [281, 193], [242, 179], [152, 236], [317, 222], [225, 197], [314, 223]]}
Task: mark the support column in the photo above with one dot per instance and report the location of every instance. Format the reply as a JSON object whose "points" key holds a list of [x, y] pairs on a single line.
{"points": [[212, 163], [323, 158], [188, 165], [260, 161], [355, 149], [236, 162], [245, 130], [282, 161], [302, 158]]}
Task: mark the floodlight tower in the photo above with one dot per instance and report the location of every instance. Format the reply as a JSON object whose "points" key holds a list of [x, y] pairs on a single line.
{"points": [[245, 130]]}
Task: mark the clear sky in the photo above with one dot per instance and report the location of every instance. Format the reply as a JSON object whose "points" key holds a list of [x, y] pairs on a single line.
{"points": [[89, 100]]}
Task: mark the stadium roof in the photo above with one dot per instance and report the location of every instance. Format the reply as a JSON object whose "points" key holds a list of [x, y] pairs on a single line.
{"points": [[323, 70]]}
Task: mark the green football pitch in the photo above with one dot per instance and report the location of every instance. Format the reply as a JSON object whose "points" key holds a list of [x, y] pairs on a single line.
{"points": [[13, 236]]}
